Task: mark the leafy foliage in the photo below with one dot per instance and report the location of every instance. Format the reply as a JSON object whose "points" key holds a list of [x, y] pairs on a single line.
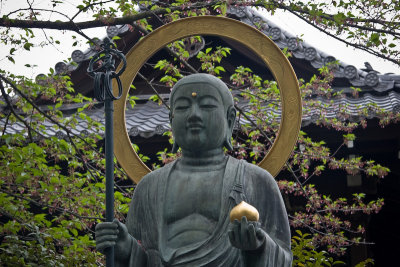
{"points": [[306, 254], [44, 178], [369, 25]]}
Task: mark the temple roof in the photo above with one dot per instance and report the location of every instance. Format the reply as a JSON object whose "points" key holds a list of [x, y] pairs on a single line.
{"points": [[368, 78], [378, 91], [148, 118]]}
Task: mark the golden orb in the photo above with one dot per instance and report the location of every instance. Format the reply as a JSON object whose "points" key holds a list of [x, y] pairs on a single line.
{"points": [[244, 209]]}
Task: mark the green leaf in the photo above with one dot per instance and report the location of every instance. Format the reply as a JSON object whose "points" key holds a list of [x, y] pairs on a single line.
{"points": [[74, 231], [22, 178], [339, 18], [11, 59], [27, 46], [375, 38], [220, 68]]}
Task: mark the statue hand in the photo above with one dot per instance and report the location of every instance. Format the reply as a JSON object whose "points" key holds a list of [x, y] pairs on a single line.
{"points": [[246, 235], [116, 234]]}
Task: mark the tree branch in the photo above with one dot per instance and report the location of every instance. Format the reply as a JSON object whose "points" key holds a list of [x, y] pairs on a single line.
{"points": [[331, 17], [38, 9], [9, 104], [6, 123], [372, 52], [154, 90], [166, 48], [241, 111], [87, 6], [63, 127], [49, 206], [72, 26]]}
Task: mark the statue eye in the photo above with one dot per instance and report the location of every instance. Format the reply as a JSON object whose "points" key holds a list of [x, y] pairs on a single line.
{"points": [[208, 106], [181, 107], [182, 104], [208, 103]]}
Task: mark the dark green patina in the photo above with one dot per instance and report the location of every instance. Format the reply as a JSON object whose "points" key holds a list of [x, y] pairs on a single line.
{"points": [[103, 92], [179, 215]]}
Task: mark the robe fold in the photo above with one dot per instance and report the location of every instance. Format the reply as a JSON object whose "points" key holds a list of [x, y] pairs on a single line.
{"points": [[241, 181]]}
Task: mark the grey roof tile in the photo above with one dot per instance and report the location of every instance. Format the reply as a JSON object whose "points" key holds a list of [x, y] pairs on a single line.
{"points": [[150, 118], [283, 39], [146, 122]]}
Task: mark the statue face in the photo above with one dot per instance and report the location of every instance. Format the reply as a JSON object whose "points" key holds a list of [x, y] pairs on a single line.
{"points": [[199, 118]]}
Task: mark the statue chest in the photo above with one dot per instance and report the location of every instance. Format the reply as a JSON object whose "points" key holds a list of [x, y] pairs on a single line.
{"points": [[192, 206], [194, 192]]}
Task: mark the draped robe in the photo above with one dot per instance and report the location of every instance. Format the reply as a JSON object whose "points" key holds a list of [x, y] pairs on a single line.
{"points": [[241, 181]]}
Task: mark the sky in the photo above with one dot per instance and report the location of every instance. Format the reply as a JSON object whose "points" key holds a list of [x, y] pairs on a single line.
{"points": [[329, 45], [48, 56], [44, 58]]}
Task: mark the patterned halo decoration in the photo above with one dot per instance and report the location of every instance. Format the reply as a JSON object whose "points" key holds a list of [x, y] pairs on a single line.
{"points": [[255, 40]]}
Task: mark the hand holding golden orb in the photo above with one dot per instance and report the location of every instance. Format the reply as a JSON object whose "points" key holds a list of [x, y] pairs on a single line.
{"points": [[244, 209]]}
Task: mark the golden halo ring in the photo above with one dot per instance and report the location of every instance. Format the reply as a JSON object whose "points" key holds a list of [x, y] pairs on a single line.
{"points": [[256, 41]]}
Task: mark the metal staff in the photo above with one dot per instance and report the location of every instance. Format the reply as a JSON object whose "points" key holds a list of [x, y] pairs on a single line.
{"points": [[102, 69]]}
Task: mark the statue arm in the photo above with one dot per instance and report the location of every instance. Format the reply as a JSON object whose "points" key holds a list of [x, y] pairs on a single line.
{"points": [[137, 256], [270, 254], [258, 248], [272, 231], [127, 249], [135, 223]]}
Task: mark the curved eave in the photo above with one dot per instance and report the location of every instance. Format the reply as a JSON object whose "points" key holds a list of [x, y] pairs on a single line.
{"points": [[147, 119], [370, 81]]}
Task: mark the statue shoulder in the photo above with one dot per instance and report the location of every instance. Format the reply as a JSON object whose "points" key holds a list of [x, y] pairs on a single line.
{"points": [[155, 175], [255, 172], [258, 178]]}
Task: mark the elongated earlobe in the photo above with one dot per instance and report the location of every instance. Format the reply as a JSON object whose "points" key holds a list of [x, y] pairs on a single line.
{"points": [[231, 117], [175, 147], [228, 143]]}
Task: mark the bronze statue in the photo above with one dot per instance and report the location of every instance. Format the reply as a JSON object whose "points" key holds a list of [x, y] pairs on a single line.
{"points": [[179, 214]]}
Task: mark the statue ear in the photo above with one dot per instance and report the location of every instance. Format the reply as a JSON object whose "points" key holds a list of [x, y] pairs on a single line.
{"points": [[231, 118], [175, 147]]}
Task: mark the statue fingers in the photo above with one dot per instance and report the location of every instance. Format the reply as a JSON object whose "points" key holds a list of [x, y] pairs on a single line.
{"points": [[121, 228], [107, 232], [236, 232], [101, 246], [252, 236], [260, 234], [106, 238], [244, 232], [105, 225]]}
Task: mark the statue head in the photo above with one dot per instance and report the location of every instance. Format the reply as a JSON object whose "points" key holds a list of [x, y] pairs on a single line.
{"points": [[202, 113]]}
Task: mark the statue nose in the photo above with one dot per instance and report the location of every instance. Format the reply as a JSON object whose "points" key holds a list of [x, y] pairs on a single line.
{"points": [[195, 114]]}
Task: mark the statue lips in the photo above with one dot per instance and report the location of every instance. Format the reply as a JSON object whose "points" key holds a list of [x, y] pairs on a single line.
{"points": [[195, 127]]}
